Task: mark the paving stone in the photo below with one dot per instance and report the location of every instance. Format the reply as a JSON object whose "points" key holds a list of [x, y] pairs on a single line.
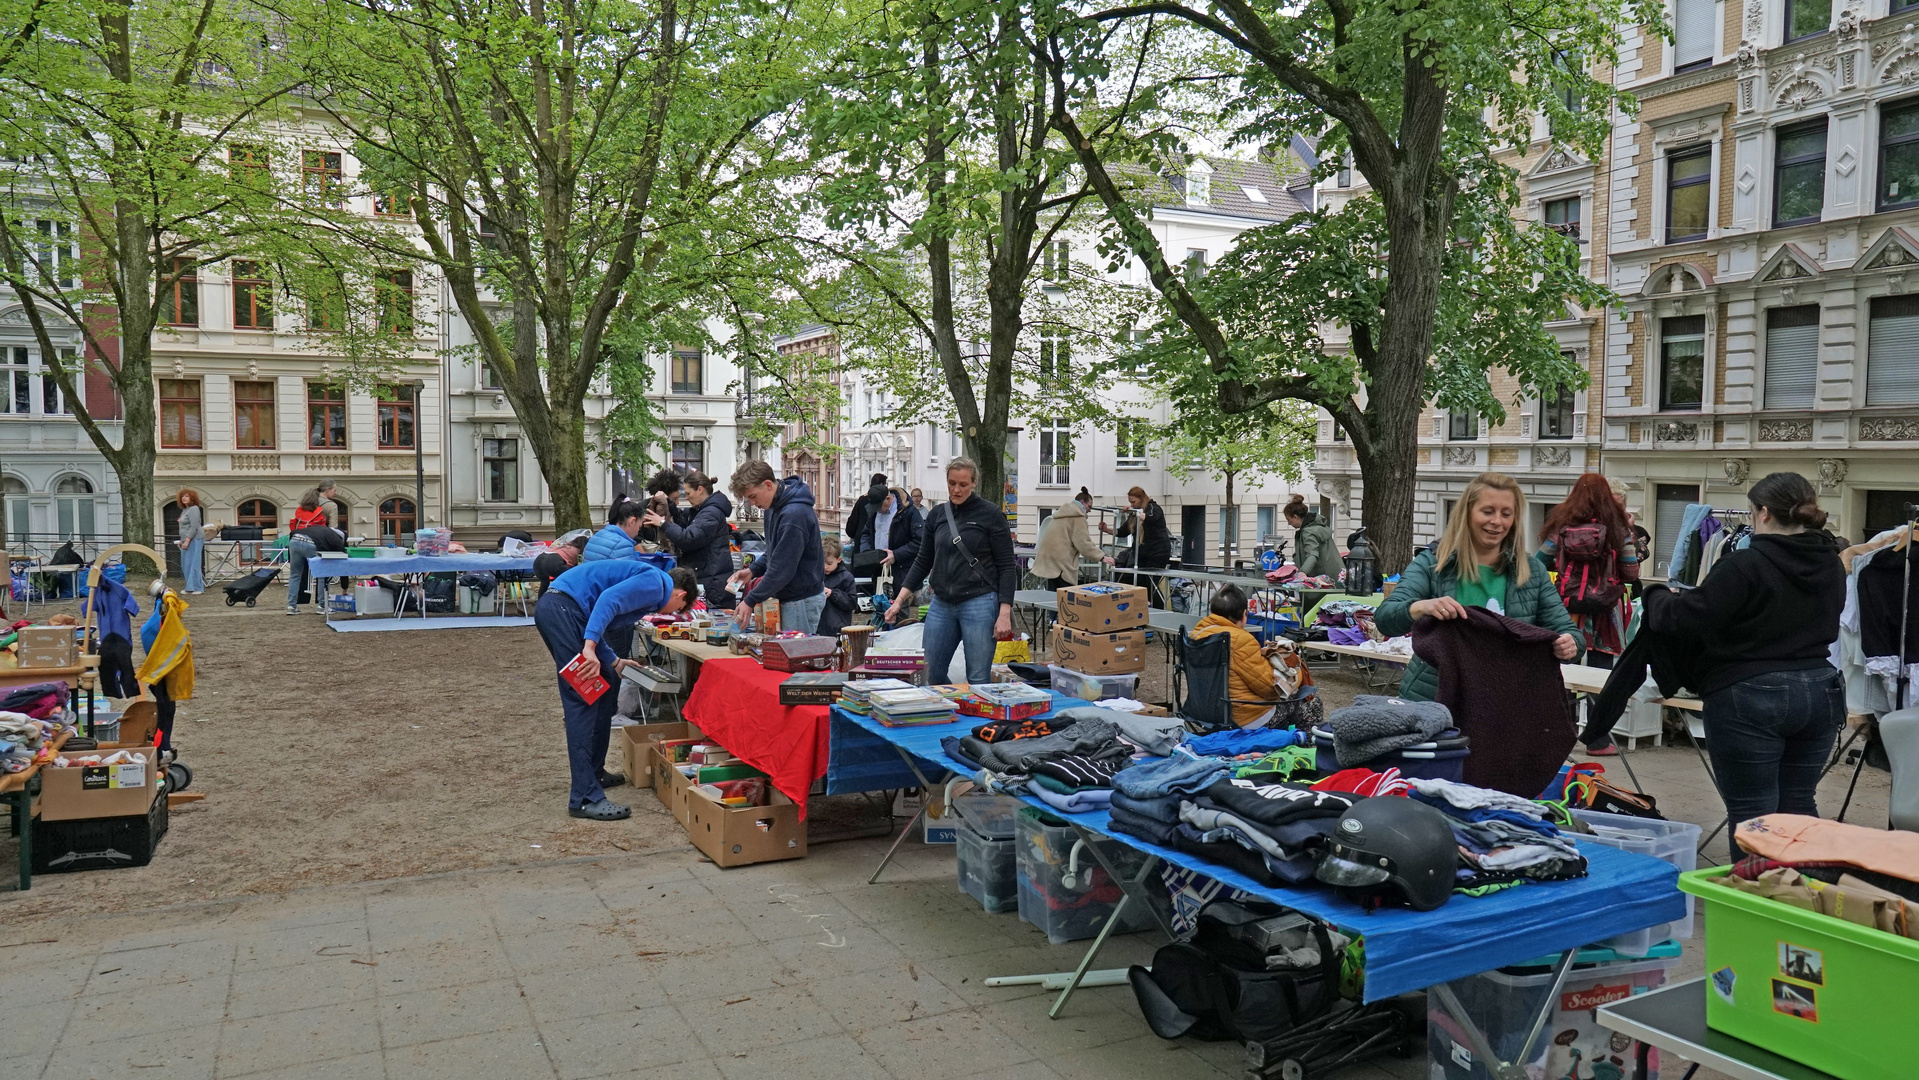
{"points": [[516, 1054], [145, 1011], [966, 974], [33, 1029], [1146, 1058], [571, 947], [951, 1044], [937, 937], [876, 999], [757, 1019], [834, 1057], [325, 943], [149, 966], [285, 989], [536, 909], [622, 986], [480, 958], [368, 1066], [1087, 1021], [684, 1070], [611, 1043], [47, 978], [184, 1052], [452, 1012], [891, 901], [700, 973], [832, 951], [270, 1042], [783, 912]]}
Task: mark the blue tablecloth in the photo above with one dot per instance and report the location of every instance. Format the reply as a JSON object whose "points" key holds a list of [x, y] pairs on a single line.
{"points": [[393, 565], [1409, 950]]}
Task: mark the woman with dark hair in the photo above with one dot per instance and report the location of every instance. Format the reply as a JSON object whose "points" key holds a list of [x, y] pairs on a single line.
{"points": [[1155, 547], [1313, 549], [1761, 627], [621, 535], [1588, 540]]}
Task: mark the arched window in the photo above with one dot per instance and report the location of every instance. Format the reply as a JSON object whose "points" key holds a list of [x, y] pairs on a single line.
{"points": [[397, 520], [261, 512], [19, 512], [73, 506]]}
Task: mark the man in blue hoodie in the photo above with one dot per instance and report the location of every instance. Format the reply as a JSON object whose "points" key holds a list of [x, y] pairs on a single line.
{"points": [[793, 570]]}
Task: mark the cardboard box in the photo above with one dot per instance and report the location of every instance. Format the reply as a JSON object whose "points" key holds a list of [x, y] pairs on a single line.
{"points": [[669, 783], [634, 740], [1100, 654], [50, 647], [744, 835], [82, 792], [1103, 606]]}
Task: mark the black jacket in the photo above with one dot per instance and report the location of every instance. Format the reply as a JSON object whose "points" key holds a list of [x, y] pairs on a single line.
{"points": [[704, 540], [1771, 607], [1155, 542], [984, 535], [839, 603], [793, 568], [902, 538], [859, 522]]}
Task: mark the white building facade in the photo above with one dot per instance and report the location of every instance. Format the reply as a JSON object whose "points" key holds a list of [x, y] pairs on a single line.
{"points": [[57, 486]]}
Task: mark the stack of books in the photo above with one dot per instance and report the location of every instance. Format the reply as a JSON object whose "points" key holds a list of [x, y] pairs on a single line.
{"points": [[911, 707], [1004, 701], [857, 694]]}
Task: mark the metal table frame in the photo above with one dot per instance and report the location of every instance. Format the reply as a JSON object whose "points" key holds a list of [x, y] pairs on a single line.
{"points": [[1673, 1019]]}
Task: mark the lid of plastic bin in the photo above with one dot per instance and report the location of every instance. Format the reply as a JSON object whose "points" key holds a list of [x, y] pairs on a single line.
{"points": [[991, 816]]}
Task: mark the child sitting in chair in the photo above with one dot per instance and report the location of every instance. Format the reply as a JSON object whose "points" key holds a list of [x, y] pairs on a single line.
{"points": [[1260, 679]]}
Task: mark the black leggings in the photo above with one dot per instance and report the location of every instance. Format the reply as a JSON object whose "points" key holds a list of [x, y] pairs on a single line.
{"points": [[164, 709], [1059, 583]]}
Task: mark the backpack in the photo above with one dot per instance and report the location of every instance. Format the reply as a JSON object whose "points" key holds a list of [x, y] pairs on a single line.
{"points": [[1589, 578]]}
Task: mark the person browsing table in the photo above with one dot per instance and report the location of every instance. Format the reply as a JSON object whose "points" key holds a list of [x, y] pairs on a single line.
{"points": [[621, 536], [699, 532], [1481, 561], [967, 549], [793, 568], [1154, 550], [582, 611]]}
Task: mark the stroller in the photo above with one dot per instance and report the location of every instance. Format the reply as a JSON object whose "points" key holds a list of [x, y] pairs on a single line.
{"points": [[249, 588]]}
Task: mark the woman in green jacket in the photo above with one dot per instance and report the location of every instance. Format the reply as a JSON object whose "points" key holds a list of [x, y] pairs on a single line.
{"points": [[1313, 549], [1481, 561]]}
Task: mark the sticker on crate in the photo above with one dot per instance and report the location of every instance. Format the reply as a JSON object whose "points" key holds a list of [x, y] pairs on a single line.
{"points": [[1805, 965], [1723, 982], [1795, 1000]]}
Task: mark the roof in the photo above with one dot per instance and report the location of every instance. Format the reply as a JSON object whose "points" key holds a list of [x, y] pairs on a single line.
{"points": [[1231, 181]]}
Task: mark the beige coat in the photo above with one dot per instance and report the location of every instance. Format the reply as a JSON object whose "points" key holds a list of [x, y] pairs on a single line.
{"points": [[1062, 541]]}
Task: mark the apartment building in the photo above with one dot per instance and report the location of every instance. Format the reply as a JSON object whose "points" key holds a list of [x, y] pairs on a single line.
{"points": [[57, 487], [814, 348], [1764, 234]]}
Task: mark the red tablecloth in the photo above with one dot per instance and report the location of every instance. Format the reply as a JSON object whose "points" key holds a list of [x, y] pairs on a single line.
{"points": [[736, 703]]}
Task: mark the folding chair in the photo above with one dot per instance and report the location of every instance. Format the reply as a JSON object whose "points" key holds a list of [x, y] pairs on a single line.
{"points": [[1204, 669]]}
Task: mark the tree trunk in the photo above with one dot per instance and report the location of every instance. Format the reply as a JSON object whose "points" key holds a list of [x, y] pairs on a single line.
{"points": [[558, 439], [1388, 469]]}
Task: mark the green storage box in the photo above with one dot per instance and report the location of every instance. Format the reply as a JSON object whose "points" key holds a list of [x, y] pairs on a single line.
{"points": [[361, 552], [1837, 996]]}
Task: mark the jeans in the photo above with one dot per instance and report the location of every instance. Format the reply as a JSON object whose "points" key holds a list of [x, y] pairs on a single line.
{"points": [[589, 726], [299, 550], [803, 615], [969, 621], [193, 565], [1769, 736]]}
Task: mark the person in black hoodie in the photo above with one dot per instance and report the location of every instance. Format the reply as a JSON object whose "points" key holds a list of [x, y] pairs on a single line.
{"points": [[1155, 544], [973, 575], [1760, 630], [699, 532], [792, 570], [841, 594], [859, 521]]}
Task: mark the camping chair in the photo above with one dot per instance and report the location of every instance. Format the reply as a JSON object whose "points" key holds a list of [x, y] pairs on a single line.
{"points": [[1204, 667]]}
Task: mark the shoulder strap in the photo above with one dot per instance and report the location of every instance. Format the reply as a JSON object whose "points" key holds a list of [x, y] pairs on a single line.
{"points": [[959, 545]]}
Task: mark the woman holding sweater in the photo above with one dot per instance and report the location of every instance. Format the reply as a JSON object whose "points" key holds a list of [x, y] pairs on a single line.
{"points": [[1480, 561], [1762, 624]]}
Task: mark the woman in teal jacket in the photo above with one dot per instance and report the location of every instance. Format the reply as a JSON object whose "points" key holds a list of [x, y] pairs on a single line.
{"points": [[1482, 536]]}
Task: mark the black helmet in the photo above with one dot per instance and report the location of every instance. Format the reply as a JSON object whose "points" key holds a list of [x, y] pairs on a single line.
{"points": [[1392, 847]]}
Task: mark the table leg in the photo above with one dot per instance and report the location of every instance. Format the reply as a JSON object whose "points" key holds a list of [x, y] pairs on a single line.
{"points": [[1515, 1069], [1131, 890], [925, 787], [22, 801]]}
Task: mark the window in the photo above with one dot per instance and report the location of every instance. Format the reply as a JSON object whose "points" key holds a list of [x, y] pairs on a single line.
{"points": [[1055, 355], [248, 165], [180, 414], [502, 461], [1792, 357], [689, 370], [1055, 452], [326, 417], [49, 394], [1462, 426], [1682, 362], [1804, 18], [73, 507], [396, 416], [1669, 517], [489, 379], [1344, 178], [1265, 523], [1693, 26], [1195, 263], [252, 297], [393, 301], [397, 521], [1799, 173], [1130, 437], [18, 389], [253, 427], [393, 202], [1339, 432], [1056, 262], [180, 297], [1567, 70], [689, 455], [1562, 216], [487, 232], [1892, 352], [19, 510], [1688, 193], [320, 178], [260, 512], [1899, 156], [1199, 185], [56, 253], [326, 301], [1556, 415]]}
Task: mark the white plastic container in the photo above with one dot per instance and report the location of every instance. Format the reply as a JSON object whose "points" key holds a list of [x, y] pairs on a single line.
{"points": [[1092, 687], [1502, 1005], [372, 600], [1676, 842]]}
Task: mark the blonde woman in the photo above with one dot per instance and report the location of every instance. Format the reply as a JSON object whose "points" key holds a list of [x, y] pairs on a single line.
{"points": [[192, 542], [1480, 561]]}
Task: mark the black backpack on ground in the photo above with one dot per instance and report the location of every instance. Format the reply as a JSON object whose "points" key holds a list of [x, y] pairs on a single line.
{"points": [[1213, 988]]}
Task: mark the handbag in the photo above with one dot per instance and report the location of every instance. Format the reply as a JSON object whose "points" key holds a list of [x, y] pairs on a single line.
{"points": [[1216, 988]]}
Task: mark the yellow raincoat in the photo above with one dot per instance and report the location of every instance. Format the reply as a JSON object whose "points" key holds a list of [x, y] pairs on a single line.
{"points": [[170, 661]]}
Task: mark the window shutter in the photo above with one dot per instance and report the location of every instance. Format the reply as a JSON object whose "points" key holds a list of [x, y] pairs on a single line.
{"points": [[1692, 31], [1792, 357], [1892, 352]]}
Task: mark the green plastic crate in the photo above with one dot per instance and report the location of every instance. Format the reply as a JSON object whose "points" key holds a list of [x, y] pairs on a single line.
{"points": [[1831, 994], [361, 552]]}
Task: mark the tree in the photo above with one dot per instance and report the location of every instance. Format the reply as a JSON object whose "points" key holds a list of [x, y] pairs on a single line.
{"points": [[1424, 95], [1275, 441], [586, 176], [144, 141]]}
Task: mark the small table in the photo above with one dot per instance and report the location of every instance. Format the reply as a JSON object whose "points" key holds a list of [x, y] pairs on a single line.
{"points": [[1378, 670], [19, 790], [1673, 1019]]}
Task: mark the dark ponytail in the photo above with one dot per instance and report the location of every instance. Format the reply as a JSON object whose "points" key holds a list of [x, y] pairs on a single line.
{"points": [[1296, 508], [1790, 498]]}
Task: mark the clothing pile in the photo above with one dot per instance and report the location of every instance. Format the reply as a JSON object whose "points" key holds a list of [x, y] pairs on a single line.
{"points": [[25, 739], [1373, 726], [1272, 833], [1068, 759], [1503, 839], [1815, 864], [1146, 795]]}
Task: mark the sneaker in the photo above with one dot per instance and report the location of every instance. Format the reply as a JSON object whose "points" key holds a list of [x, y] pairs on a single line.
{"points": [[620, 721], [293, 609]]}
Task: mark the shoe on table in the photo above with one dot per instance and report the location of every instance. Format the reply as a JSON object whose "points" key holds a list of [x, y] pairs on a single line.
{"points": [[611, 779], [604, 810]]}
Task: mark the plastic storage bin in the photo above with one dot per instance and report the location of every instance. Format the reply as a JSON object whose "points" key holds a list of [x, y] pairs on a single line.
{"points": [[99, 843], [1676, 842], [1092, 687], [1066, 895], [1503, 1004], [1827, 993], [988, 864]]}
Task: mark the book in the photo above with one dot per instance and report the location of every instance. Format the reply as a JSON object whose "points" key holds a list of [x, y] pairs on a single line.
{"points": [[813, 688], [589, 687]]}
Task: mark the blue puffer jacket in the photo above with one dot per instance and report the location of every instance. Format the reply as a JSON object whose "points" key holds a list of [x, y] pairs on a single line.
{"points": [[609, 543], [794, 567], [1536, 602]]}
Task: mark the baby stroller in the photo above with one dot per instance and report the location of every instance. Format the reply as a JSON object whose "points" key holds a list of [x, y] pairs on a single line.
{"points": [[249, 588]]}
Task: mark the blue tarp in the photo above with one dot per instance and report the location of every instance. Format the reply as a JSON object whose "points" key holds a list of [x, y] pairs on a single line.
{"points": [[1409, 950], [394, 565]]}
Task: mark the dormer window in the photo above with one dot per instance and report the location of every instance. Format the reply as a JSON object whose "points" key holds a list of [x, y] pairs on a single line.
{"points": [[1199, 183]]}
